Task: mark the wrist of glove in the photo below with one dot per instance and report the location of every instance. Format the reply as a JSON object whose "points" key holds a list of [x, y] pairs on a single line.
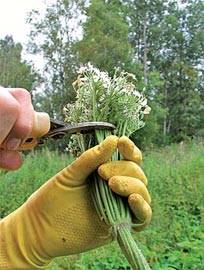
{"points": [[60, 218]]}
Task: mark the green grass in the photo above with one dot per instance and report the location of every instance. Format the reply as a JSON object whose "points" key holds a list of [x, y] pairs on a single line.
{"points": [[175, 238]]}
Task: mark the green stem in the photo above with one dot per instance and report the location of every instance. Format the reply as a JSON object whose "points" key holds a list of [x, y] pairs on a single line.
{"points": [[94, 103], [130, 248], [116, 214], [120, 130], [124, 128], [81, 142]]}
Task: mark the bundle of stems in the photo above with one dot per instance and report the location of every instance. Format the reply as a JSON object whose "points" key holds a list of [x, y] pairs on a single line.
{"points": [[112, 208]]}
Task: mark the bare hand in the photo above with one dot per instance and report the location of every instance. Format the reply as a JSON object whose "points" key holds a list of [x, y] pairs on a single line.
{"points": [[16, 120]]}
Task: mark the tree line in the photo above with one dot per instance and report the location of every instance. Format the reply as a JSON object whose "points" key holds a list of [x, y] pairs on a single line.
{"points": [[161, 42]]}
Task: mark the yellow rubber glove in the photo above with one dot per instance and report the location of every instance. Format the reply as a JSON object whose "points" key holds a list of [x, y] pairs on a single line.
{"points": [[60, 219]]}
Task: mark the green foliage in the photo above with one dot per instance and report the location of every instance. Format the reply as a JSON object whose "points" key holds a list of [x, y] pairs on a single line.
{"points": [[105, 41], [161, 42], [151, 134], [167, 37], [14, 72], [16, 187], [174, 240], [52, 35]]}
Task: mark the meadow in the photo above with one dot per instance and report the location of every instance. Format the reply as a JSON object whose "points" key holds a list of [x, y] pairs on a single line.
{"points": [[175, 238]]}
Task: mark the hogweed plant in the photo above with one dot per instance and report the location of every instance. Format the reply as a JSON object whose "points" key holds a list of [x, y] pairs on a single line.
{"points": [[115, 100]]}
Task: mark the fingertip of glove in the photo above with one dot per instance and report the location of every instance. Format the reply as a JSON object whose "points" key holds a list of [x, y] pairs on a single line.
{"points": [[140, 208], [108, 146], [110, 142], [101, 172], [129, 150], [134, 198]]}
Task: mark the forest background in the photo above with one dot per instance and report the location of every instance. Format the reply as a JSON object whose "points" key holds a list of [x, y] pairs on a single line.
{"points": [[162, 43]]}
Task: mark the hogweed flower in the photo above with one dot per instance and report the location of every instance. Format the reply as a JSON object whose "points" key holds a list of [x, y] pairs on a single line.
{"points": [[147, 110], [102, 98]]}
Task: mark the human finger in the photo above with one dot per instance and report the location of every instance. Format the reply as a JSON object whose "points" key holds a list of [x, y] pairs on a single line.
{"points": [[9, 111], [23, 125], [10, 160]]}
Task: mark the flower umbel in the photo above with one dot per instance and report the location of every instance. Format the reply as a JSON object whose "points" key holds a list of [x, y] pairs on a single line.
{"points": [[102, 98]]}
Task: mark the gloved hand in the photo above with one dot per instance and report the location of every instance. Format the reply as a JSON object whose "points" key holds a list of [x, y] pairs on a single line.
{"points": [[60, 219]]}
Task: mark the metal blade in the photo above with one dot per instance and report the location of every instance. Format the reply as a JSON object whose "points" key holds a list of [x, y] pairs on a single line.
{"points": [[64, 129]]}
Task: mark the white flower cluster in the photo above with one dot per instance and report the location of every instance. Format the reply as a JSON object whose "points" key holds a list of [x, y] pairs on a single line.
{"points": [[102, 98], [97, 75]]}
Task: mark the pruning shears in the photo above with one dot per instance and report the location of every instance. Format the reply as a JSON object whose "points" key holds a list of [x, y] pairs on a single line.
{"points": [[45, 127]]}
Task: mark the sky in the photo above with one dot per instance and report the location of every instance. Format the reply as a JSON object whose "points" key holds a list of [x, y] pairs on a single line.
{"points": [[13, 14]]}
